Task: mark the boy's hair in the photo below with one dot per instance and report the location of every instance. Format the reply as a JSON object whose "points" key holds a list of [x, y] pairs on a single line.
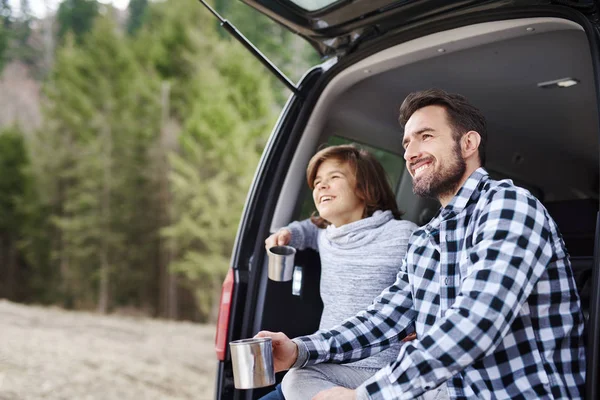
{"points": [[372, 185]]}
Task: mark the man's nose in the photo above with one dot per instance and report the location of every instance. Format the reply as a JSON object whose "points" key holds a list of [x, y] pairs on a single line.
{"points": [[411, 152]]}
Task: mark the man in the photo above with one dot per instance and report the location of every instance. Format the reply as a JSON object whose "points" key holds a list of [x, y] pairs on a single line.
{"points": [[487, 283]]}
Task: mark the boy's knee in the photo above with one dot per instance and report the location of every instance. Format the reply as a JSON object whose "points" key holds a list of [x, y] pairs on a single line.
{"points": [[290, 384], [297, 383]]}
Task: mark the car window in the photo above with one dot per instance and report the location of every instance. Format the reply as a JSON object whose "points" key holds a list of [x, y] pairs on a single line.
{"points": [[392, 163], [313, 5]]}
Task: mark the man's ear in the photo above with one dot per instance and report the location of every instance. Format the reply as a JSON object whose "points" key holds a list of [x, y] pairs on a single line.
{"points": [[470, 143]]}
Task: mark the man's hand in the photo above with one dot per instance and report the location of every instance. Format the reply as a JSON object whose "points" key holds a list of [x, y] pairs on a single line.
{"points": [[336, 393], [285, 352], [279, 238]]}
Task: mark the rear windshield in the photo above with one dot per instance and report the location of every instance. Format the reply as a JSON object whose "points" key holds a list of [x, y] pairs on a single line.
{"points": [[312, 5]]}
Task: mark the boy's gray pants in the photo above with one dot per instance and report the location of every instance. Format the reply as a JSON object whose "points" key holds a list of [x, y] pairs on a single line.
{"points": [[305, 383]]}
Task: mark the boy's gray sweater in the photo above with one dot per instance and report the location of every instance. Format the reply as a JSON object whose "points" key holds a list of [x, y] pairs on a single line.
{"points": [[358, 261]]}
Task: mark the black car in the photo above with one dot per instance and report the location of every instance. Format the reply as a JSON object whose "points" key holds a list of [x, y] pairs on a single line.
{"points": [[532, 67]]}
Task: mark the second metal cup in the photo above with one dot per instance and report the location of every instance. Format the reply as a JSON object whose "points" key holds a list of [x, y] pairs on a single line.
{"points": [[281, 263]]}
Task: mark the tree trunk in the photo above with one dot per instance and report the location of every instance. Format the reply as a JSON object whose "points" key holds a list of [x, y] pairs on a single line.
{"points": [[64, 266], [168, 281], [2, 268], [173, 297], [11, 279], [103, 296]]}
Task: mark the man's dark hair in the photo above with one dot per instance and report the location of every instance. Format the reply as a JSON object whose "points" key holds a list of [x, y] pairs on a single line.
{"points": [[462, 115]]}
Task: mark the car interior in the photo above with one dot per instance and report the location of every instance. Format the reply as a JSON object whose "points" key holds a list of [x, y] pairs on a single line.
{"points": [[534, 81]]}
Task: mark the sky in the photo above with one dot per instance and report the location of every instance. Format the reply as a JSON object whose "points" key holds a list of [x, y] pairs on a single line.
{"points": [[38, 7]]}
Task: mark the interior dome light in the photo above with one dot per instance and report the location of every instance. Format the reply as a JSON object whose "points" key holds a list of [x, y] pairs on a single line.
{"points": [[561, 83]]}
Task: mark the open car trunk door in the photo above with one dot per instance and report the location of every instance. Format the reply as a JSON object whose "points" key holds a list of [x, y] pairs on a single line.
{"points": [[336, 27]]}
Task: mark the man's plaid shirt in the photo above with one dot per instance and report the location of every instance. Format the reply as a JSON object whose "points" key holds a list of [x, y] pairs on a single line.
{"points": [[489, 288]]}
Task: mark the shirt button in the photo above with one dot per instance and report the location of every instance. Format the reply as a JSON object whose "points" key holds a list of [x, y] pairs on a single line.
{"points": [[447, 280]]}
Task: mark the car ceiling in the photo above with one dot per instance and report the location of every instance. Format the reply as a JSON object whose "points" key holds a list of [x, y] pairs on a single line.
{"points": [[545, 138]]}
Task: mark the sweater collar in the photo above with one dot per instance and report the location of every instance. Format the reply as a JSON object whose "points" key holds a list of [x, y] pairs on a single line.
{"points": [[357, 232]]}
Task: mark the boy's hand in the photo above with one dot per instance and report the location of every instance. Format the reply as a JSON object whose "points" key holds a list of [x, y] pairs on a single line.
{"points": [[409, 337], [279, 238], [285, 352]]}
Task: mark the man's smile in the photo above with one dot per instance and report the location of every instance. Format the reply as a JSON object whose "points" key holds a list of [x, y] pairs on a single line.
{"points": [[420, 166]]}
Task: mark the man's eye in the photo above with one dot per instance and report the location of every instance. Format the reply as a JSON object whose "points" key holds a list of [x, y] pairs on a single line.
{"points": [[426, 136]]}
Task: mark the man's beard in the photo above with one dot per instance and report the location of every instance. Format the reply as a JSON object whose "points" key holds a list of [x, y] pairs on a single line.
{"points": [[438, 184]]}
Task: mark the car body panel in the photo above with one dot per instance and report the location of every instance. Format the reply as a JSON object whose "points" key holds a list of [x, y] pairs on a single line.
{"points": [[248, 253], [339, 28]]}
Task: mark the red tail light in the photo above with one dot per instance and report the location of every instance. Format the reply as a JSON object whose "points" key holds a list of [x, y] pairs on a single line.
{"points": [[223, 319]]}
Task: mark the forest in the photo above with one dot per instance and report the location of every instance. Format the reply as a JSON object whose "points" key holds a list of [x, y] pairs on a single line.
{"points": [[128, 141]]}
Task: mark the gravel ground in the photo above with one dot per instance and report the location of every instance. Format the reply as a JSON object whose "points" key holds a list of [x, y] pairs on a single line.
{"points": [[49, 353]]}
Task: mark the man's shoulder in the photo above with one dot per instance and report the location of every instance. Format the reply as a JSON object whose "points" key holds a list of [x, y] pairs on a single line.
{"points": [[507, 193]]}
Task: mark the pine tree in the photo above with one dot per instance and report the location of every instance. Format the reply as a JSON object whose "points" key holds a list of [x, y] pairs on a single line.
{"points": [[5, 22], [13, 162], [103, 117], [220, 148], [176, 42], [220, 102], [175, 37], [137, 14], [21, 48], [76, 16]]}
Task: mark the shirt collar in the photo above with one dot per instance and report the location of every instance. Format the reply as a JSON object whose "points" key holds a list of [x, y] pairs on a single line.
{"points": [[465, 193]]}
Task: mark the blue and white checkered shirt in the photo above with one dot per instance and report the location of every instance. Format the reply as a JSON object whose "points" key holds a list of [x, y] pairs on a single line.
{"points": [[489, 287]]}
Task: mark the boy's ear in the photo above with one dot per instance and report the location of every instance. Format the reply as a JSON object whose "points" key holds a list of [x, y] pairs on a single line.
{"points": [[470, 143]]}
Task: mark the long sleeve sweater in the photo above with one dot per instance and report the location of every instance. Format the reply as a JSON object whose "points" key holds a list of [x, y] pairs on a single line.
{"points": [[358, 261]]}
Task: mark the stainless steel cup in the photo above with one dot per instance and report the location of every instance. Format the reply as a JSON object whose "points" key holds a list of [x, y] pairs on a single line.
{"points": [[252, 361], [281, 263]]}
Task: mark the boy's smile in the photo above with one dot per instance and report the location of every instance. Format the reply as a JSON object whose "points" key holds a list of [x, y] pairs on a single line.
{"points": [[334, 193]]}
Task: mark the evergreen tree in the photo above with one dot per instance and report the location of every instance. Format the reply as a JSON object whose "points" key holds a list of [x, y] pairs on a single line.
{"points": [[137, 13], [220, 148], [103, 117], [21, 32], [76, 16], [140, 173], [5, 22], [13, 183], [176, 35]]}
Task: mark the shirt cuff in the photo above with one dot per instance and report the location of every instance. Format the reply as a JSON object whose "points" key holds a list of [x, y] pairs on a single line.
{"points": [[302, 354]]}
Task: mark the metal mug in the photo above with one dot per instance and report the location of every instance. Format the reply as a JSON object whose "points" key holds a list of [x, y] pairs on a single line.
{"points": [[281, 263], [252, 361]]}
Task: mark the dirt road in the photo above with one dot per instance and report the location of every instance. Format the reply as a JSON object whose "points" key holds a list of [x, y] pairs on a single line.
{"points": [[48, 353]]}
